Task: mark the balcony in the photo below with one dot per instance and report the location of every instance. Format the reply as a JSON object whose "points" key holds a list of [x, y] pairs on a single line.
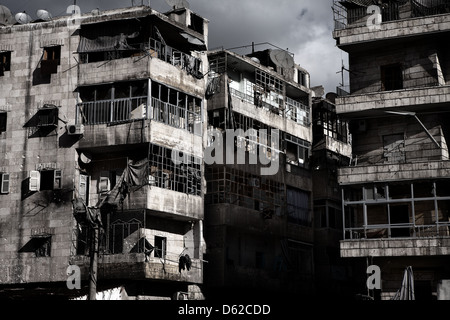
{"points": [[398, 20], [353, 13], [292, 110], [394, 172], [118, 111], [380, 101], [134, 266], [133, 64], [395, 248]]}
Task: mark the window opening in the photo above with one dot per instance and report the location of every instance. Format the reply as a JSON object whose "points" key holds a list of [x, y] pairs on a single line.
{"points": [[391, 77], [3, 120], [160, 247], [5, 62], [51, 59], [4, 183]]}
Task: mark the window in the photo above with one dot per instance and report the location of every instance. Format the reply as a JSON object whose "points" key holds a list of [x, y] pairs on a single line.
{"points": [[4, 183], [40, 245], [83, 190], [47, 117], [297, 151], [44, 246], [3, 118], [45, 180], [160, 247], [391, 77], [5, 62], [165, 173], [298, 207], [108, 180], [51, 59]]}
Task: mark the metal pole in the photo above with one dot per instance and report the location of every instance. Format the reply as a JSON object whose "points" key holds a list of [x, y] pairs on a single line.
{"points": [[93, 264]]}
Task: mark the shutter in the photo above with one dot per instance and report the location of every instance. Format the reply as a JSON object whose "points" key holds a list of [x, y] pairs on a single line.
{"points": [[57, 181], [35, 181], [82, 190], [4, 183], [104, 182]]}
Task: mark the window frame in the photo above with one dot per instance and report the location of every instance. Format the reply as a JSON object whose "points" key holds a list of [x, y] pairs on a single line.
{"points": [[3, 189]]}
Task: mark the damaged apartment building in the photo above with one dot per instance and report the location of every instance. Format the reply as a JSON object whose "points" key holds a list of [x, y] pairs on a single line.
{"points": [[259, 227], [396, 191], [93, 110]]}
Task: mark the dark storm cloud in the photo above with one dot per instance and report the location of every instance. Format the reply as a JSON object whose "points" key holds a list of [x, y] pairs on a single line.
{"points": [[303, 26]]}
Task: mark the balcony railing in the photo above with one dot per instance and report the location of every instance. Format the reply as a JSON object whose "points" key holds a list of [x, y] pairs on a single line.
{"points": [[349, 13], [177, 58], [124, 110], [405, 230], [294, 110]]}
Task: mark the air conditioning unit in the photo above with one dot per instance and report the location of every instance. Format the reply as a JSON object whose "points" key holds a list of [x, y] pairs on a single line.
{"points": [[75, 129]]}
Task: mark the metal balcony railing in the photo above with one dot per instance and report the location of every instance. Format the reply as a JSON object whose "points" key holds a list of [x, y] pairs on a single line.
{"points": [[111, 111], [124, 110], [294, 110], [177, 58], [351, 13]]}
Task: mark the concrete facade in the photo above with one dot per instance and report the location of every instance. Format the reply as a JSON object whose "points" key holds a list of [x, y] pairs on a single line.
{"points": [[259, 228], [122, 99], [394, 191]]}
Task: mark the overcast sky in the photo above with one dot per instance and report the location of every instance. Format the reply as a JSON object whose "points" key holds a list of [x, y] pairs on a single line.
{"points": [[304, 27]]}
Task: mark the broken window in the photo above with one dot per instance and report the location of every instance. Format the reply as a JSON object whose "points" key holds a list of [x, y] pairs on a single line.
{"points": [[4, 183], [391, 77], [394, 148], [298, 205], [164, 173], [5, 62], [40, 245], [196, 23], [3, 119], [245, 190], [123, 236], [44, 246], [297, 111], [45, 180], [297, 151], [51, 59]]}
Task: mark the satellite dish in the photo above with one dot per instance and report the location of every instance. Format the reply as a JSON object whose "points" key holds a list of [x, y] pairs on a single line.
{"points": [[282, 59], [6, 17], [192, 39], [95, 12], [23, 18], [43, 15], [177, 4], [85, 157]]}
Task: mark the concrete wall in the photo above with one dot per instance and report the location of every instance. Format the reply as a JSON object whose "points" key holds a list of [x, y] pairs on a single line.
{"points": [[368, 140], [22, 92], [420, 63]]}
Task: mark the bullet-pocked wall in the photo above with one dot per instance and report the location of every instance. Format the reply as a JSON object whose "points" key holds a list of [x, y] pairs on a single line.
{"points": [[37, 97]]}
